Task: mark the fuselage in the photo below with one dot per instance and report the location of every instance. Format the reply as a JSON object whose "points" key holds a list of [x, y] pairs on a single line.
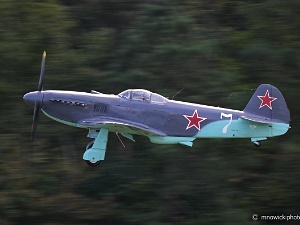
{"points": [[173, 118]]}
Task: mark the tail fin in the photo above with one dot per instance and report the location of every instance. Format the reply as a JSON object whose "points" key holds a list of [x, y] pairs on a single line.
{"points": [[267, 105]]}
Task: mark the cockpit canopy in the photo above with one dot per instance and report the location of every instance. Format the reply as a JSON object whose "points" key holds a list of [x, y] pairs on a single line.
{"points": [[143, 95]]}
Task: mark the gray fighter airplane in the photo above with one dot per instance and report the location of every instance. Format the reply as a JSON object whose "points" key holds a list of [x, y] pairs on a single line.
{"points": [[163, 121]]}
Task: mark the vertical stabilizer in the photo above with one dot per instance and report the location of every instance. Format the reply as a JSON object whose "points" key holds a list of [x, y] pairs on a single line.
{"points": [[267, 103]]}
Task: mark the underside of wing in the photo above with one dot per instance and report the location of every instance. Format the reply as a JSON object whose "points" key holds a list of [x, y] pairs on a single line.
{"points": [[119, 125]]}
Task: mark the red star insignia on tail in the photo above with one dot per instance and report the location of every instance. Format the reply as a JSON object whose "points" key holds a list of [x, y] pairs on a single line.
{"points": [[194, 120], [266, 100]]}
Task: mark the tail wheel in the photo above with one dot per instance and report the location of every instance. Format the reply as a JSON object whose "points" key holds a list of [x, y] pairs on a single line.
{"points": [[257, 143]]}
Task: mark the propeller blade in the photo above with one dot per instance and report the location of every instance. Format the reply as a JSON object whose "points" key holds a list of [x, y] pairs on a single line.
{"points": [[37, 104], [40, 86], [35, 120]]}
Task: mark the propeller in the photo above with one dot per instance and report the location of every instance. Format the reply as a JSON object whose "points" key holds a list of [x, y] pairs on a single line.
{"points": [[38, 102], [40, 86]]}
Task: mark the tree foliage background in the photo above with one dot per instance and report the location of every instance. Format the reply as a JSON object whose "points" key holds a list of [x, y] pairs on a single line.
{"points": [[218, 51]]}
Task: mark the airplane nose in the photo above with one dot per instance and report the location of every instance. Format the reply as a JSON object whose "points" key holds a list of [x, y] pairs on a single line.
{"points": [[33, 97]]}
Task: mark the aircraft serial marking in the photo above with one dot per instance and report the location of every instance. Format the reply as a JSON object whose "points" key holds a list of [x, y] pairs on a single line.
{"points": [[224, 130]]}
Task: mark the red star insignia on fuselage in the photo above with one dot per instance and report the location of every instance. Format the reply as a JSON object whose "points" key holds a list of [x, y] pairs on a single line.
{"points": [[194, 120], [266, 100]]}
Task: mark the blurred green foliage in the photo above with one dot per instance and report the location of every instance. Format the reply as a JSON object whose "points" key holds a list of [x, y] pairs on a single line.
{"points": [[218, 51]]}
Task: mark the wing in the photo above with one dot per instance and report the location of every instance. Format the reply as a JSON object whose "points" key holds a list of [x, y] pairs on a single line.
{"points": [[119, 125]]}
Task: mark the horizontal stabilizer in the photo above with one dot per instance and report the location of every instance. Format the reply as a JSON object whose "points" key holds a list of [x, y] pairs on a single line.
{"points": [[258, 119]]}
